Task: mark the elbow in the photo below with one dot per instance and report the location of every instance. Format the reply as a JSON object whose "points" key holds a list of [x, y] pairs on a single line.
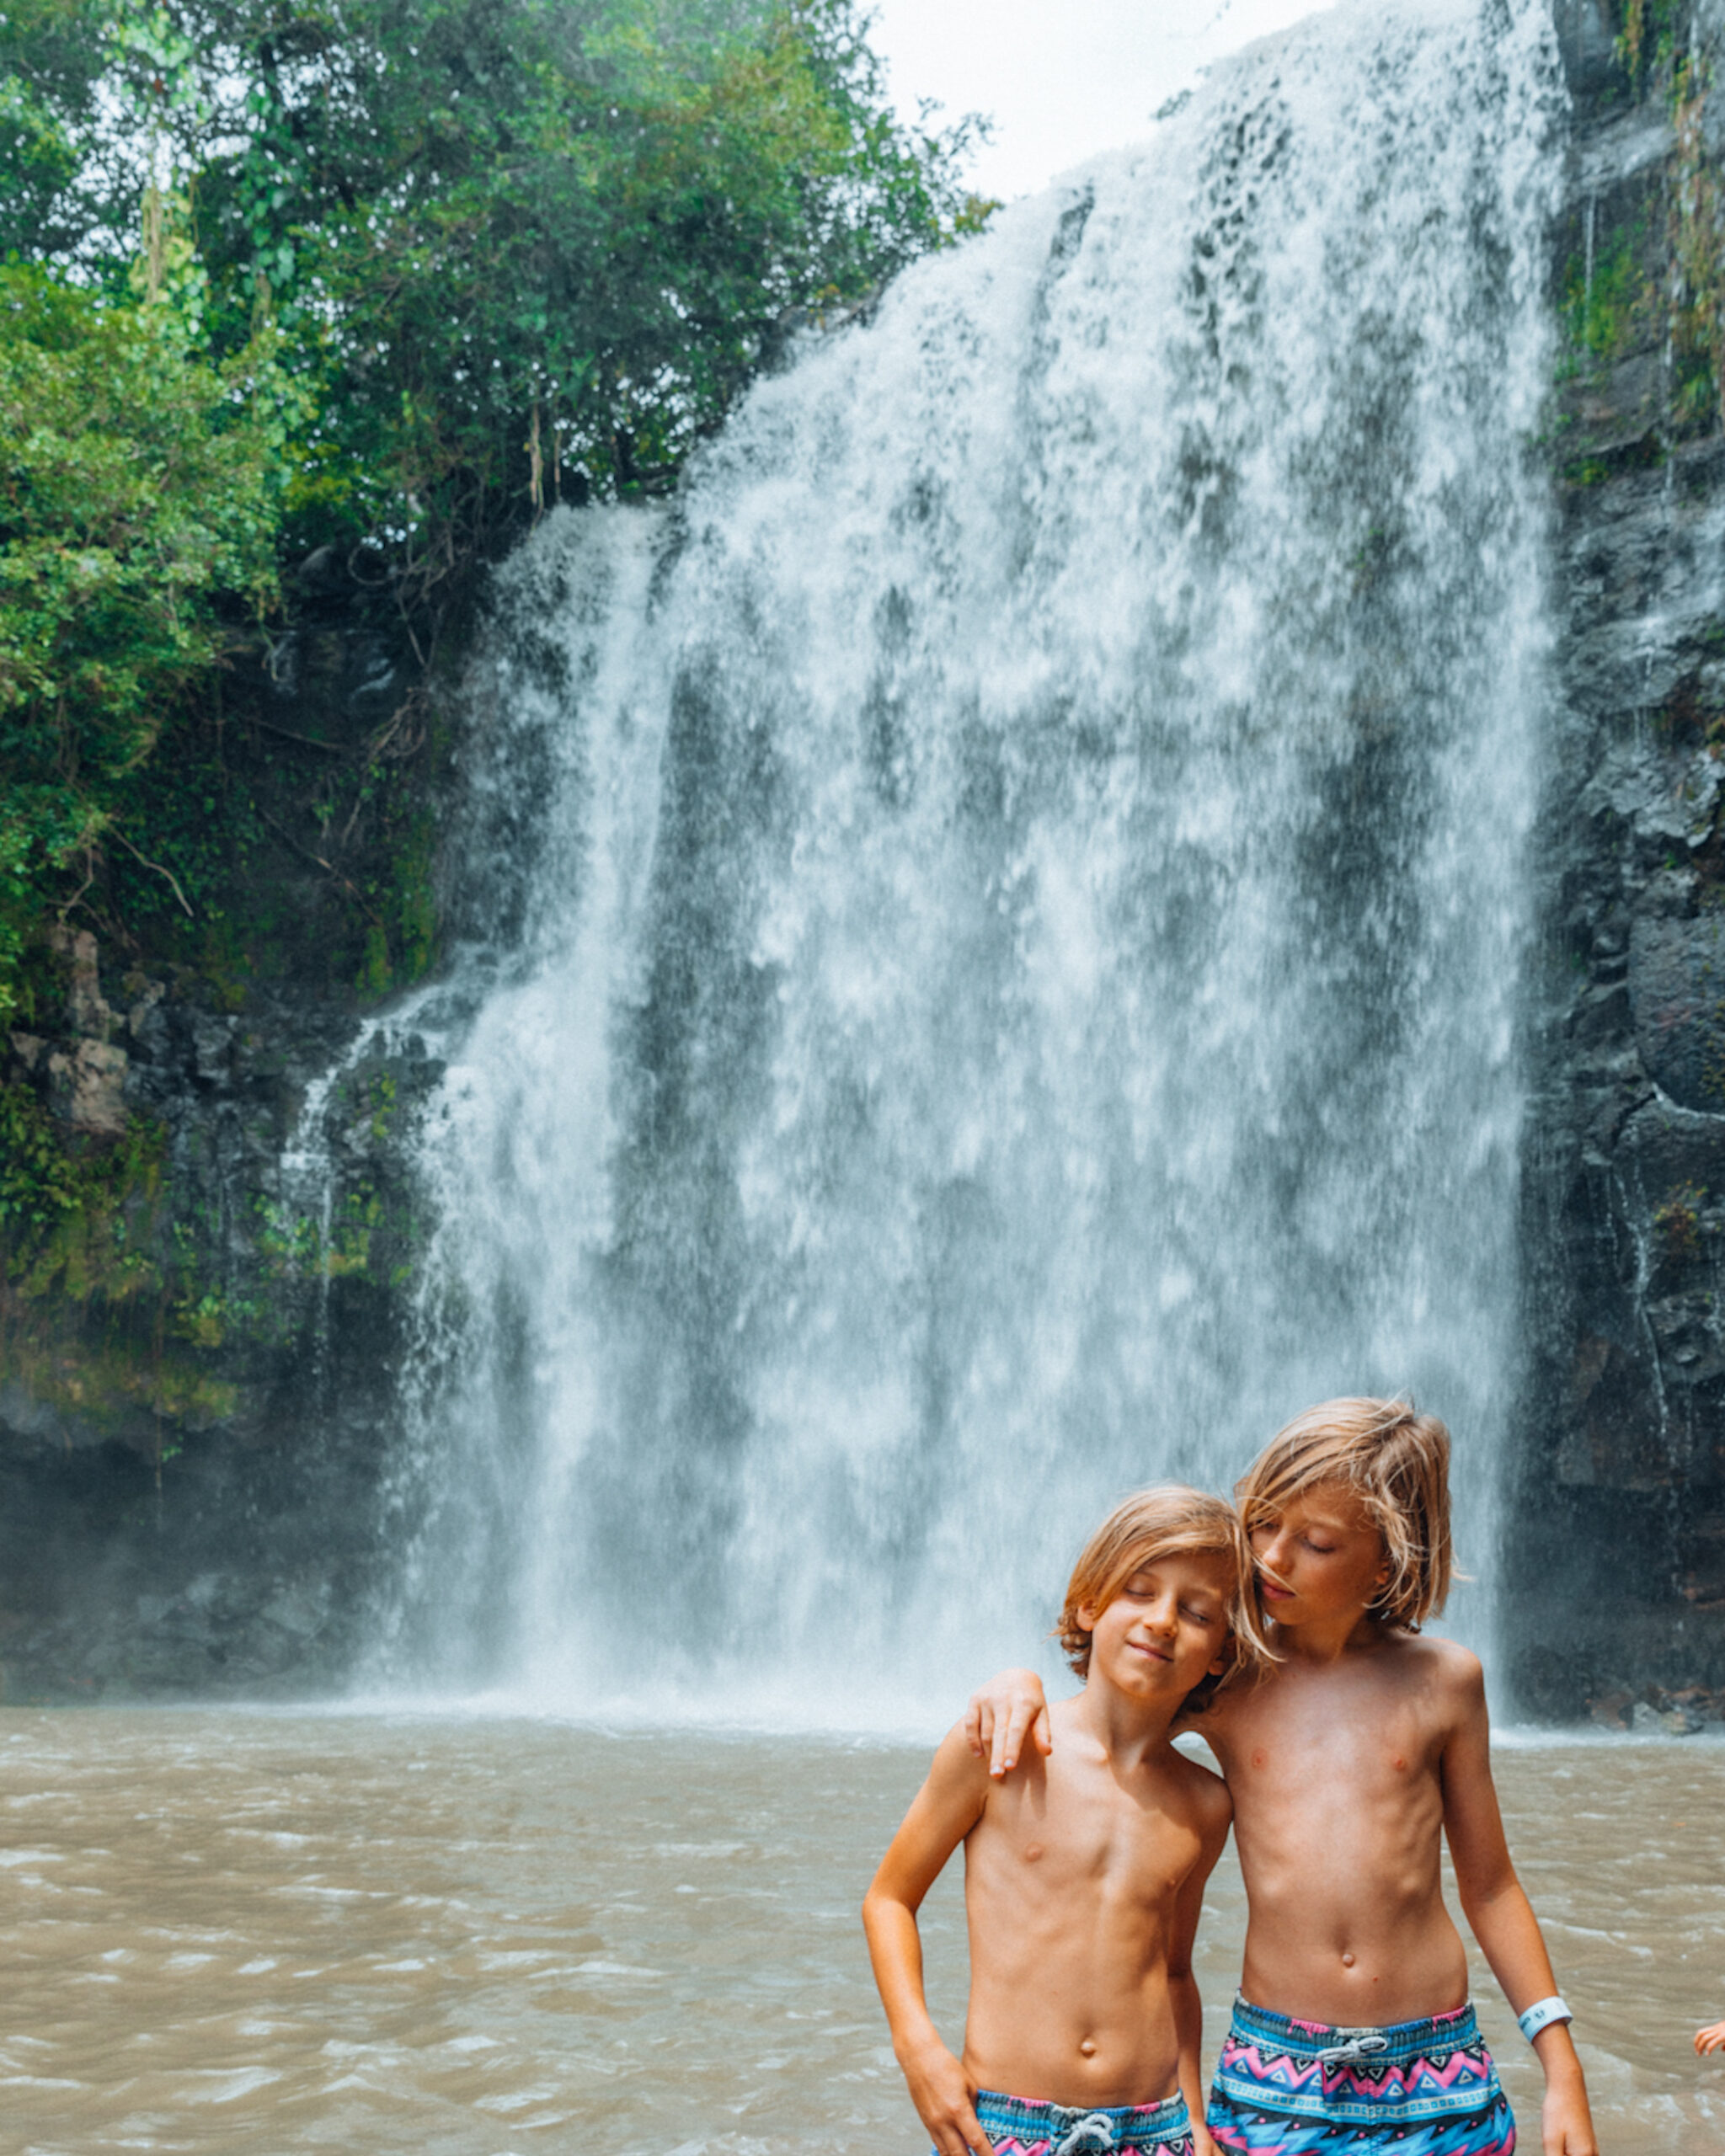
{"points": [[874, 1906]]}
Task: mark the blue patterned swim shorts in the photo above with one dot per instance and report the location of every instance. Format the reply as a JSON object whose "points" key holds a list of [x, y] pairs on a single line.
{"points": [[1290, 2088], [1019, 2128]]}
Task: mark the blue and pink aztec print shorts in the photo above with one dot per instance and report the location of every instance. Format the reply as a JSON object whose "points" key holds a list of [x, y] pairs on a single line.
{"points": [[1019, 2128], [1288, 2088]]}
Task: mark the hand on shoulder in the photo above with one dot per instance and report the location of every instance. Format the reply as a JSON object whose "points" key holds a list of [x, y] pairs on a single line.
{"points": [[1009, 1710]]}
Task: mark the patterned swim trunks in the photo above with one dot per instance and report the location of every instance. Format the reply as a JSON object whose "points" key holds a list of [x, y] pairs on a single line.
{"points": [[1288, 2088], [1019, 2128]]}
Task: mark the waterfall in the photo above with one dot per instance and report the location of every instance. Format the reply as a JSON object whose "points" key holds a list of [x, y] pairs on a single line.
{"points": [[1006, 905]]}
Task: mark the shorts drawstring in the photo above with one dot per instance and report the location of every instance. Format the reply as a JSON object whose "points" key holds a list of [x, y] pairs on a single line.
{"points": [[1356, 2047], [1096, 2132]]}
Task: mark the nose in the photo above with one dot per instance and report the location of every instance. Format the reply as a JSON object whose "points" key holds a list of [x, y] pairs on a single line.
{"points": [[1162, 1615]]}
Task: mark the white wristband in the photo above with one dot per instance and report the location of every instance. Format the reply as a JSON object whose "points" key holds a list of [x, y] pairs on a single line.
{"points": [[1542, 2015]]}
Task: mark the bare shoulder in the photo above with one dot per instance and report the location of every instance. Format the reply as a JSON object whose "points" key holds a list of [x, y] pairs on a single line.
{"points": [[1205, 1794], [1447, 1678], [1457, 1670], [956, 1775], [1232, 1710]]}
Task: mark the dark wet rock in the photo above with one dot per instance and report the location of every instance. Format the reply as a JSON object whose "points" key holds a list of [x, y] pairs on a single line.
{"points": [[195, 1414], [1613, 1562]]}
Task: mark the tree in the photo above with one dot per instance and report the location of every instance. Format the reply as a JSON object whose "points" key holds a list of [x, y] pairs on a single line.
{"points": [[518, 249], [381, 274], [139, 487]]}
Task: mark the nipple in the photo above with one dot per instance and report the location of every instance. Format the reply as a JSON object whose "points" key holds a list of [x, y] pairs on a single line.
{"points": [[1032, 1851], [1347, 1961]]}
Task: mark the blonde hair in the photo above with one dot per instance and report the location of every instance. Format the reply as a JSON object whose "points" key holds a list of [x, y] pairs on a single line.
{"points": [[1397, 1463], [1168, 1521]]}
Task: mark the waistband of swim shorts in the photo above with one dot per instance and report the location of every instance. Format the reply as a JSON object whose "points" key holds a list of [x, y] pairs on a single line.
{"points": [[1402, 2039], [1130, 2126]]}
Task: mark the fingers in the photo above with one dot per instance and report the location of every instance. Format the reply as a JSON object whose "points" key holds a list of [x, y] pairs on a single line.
{"points": [[974, 2137], [961, 2135], [1009, 1742], [1710, 2039], [978, 1725], [1027, 1720]]}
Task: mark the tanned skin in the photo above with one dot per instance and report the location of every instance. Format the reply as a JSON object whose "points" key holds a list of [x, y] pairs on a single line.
{"points": [[1346, 1761], [1083, 1878], [1710, 2039]]}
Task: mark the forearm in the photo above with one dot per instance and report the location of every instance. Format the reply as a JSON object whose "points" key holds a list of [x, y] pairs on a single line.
{"points": [[1187, 2010], [1509, 1933], [1509, 1937], [895, 1952], [1503, 1921]]}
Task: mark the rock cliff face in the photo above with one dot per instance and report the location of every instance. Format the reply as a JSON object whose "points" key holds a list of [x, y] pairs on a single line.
{"points": [[1614, 1551], [199, 1364]]}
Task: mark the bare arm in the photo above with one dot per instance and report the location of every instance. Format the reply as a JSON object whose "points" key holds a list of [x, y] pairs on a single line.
{"points": [[1007, 1708], [1502, 1917], [944, 1810], [1183, 1985]]}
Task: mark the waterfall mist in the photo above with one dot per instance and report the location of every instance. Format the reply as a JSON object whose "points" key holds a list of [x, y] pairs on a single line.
{"points": [[1005, 905]]}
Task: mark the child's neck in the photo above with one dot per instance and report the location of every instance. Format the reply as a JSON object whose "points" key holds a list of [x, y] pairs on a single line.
{"points": [[1127, 1728], [1321, 1640]]}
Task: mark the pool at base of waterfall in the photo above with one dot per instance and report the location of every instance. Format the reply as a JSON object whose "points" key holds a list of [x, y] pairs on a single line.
{"points": [[463, 1935]]}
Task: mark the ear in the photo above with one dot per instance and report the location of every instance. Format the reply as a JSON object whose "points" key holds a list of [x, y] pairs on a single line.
{"points": [[1219, 1665], [1087, 1615]]}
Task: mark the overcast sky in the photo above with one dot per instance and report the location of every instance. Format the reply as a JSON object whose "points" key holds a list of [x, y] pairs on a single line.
{"points": [[1063, 78]]}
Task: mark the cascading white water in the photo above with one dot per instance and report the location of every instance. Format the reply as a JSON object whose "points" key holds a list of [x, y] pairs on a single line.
{"points": [[1018, 891]]}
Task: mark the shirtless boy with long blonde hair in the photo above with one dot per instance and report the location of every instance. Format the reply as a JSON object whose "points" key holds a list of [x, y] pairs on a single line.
{"points": [[1358, 1751], [1084, 1873]]}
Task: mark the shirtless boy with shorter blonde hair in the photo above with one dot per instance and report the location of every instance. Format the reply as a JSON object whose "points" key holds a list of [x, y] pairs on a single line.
{"points": [[1084, 1874], [1360, 1748]]}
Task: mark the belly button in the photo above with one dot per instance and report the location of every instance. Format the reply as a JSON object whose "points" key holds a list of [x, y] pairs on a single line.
{"points": [[1347, 1961], [1088, 2047]]}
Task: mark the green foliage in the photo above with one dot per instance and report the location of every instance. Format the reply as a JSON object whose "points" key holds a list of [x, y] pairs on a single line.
{"points": [[74, 1223], [519, 250], [1677, 1221], [1646, 37], [296, 1247], [397, 271], [1697, 238], [139, 489], [1606, 314], [391, 277]]}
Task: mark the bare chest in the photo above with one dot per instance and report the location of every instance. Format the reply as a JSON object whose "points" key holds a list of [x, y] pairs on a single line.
{"points": [[1079, 1834], [1332, 1747]]}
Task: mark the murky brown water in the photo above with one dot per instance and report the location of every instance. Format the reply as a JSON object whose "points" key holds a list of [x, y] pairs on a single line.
{"points": [[222, 1931]]}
